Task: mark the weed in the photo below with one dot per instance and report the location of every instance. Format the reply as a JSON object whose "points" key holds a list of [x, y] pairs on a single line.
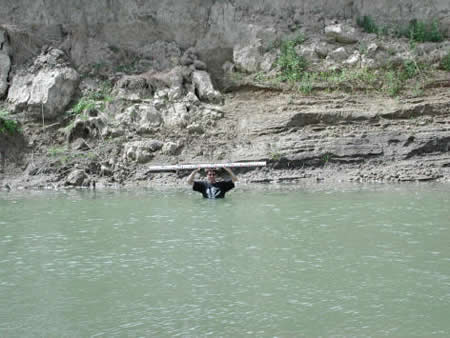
{"points": [[291, 64], [409, 69], [393, 83], [56, 151], [83, 105], [275, 156], [445, 62], [418, 90], [260, 77], [362, 48], [307, 83], [420, 31], [326, 158], [8, 125], [367, 24]]}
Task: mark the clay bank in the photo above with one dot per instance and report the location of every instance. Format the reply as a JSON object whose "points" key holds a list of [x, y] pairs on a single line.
{"points": [[324, 91]]}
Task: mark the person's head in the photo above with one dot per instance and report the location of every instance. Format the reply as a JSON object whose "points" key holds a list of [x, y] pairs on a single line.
{"points": [[211, 175]]}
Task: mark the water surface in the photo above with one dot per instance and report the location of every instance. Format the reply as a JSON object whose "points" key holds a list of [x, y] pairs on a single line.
{"points": [[267, 262]]}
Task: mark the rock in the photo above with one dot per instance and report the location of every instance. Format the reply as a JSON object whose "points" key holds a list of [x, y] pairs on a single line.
{"points": [[80, 144], [200, 65], [354, 59], [141, 151], [140, 114], [204, 88], [268, 61], [195, 128], [322, 49], [5, 66], [77, 178], [372, 49], [308, 52], [5, 62], [337, 55], [170, 148], [47, 92], [105, 170], [248, 58], [341, 33], [177, 115], [86, 128], [133, 87]]}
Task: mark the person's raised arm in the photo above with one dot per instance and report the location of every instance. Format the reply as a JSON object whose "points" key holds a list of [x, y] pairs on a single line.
{"points": [[232, 175], [190, 179]]}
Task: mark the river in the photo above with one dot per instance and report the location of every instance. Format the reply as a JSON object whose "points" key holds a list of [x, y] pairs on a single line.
{"points": [[285, 261]]}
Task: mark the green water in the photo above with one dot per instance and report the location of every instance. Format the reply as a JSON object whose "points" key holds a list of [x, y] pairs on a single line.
{"points": [[354, 261]]}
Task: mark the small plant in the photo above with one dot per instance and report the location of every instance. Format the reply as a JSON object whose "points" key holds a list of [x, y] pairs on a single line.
{"points": [[419, 31], [291, 64], [307, 83], [409, 69], [83, 105], [368, 24], [275, 156], [8, 125], [56, 151], [326, 158], [393, 83], [445, 62]]}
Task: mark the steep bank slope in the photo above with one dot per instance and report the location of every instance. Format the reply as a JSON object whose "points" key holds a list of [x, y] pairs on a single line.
{"points": [[103, 90]]}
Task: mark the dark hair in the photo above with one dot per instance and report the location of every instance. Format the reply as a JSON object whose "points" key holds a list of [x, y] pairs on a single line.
{"points": [[211, 169]]}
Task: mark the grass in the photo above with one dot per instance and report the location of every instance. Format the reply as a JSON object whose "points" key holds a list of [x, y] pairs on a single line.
{"points": [[390, 80], [445, 62], [95, 99], [8, 125], [416, 30], [56, 151]]}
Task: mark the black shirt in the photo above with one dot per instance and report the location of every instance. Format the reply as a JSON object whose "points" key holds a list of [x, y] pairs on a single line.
{"points": [[213, 190]]}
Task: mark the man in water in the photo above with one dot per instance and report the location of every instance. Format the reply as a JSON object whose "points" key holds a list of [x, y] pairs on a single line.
{"points": [[212, 188]]}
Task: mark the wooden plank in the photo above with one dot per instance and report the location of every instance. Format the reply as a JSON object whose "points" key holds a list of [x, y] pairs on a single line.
{"points": [[205, 165]]}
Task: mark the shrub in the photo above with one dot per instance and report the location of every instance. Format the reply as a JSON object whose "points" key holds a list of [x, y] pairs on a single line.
{"points": [[292, 65], [7, 125], [367, 24], [409, 69], [419, 31], [83, 105], [445, 62]]}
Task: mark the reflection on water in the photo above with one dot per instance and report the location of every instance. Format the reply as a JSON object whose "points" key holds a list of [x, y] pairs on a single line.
{"points": [[286, 261]]}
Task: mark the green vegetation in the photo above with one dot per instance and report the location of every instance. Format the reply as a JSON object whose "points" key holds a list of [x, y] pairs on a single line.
{"points": [[291, 64], [8, 125], [94, 100], [368, 24], [390, 80], [421, 32], [445, 62], [416, 30], [56, 151]]}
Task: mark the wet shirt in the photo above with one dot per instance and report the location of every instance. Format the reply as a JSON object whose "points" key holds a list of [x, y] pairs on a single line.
{"points": [[213, 190]]}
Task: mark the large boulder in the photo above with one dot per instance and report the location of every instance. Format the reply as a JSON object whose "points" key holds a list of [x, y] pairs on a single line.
{"points": [[204, 87], [341, 33], [177, 115], [140, 114], [46, 88], [77, 178], [5, 62], [5, 66], [141, 151], [248, 58]]}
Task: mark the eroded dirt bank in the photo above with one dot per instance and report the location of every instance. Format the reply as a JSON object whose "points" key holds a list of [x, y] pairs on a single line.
{"points": [[319, 138]]}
